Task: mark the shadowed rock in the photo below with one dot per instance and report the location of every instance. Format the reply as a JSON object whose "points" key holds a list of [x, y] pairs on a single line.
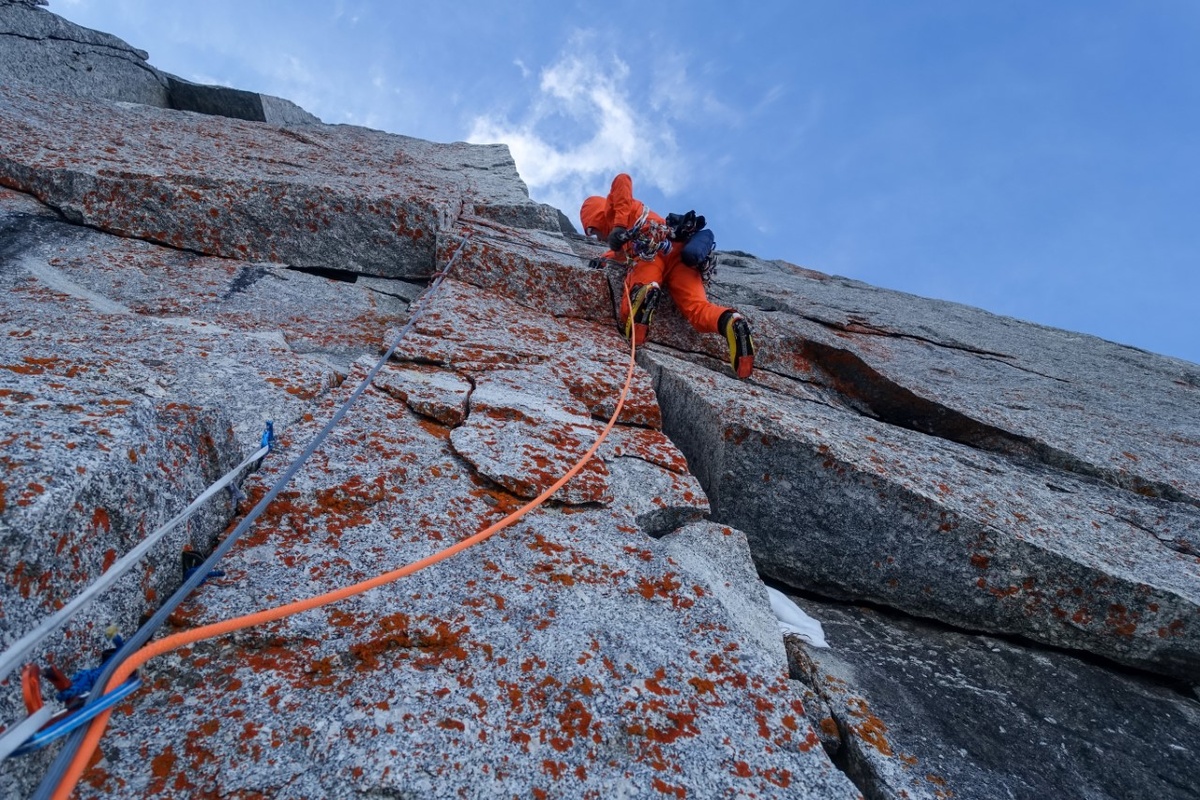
{"points": [[223, 101], [920, 712], [46, 50], [41, 48]]}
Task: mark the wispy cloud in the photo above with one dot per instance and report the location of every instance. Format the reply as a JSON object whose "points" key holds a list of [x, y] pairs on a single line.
{"points": [[589, 119], [679, 94]]}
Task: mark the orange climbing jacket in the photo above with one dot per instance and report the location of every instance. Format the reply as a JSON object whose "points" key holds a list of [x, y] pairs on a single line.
{"points": [[599, 215], [646, 235], [619, 210]]}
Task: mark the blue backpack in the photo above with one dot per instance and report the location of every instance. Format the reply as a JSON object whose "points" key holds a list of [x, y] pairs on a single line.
{"points": [[698, 248]]}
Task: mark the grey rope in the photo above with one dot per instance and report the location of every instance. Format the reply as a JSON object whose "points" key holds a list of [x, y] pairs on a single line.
{"points": [[60, 765]]}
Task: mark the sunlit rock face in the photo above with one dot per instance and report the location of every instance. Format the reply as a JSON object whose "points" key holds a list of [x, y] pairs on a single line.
{"points": [[585, 648], [172, 280]]}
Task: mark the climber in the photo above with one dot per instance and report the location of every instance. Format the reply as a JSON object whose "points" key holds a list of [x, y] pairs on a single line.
{"points": [[654, 257]]}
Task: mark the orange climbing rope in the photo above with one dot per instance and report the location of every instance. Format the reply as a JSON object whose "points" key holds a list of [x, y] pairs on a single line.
{"points": [[83, 757]]}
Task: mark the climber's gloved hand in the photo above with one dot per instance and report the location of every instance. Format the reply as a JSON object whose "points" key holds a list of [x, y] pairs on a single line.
{"points": [[617, 238]]}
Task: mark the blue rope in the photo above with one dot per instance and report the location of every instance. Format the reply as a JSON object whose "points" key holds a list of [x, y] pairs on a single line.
{"points": [[214, 573], [59, 768], [84, 681], [84, 715]]}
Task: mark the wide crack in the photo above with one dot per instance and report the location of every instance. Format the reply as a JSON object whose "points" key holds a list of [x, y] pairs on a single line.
{"points": [[857, 741]]}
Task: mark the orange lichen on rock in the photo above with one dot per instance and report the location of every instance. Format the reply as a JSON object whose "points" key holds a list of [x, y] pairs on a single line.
{"points": [[870, 728]]}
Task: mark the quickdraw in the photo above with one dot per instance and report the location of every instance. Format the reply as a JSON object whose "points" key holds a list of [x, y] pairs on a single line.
{"points": [[648, 239], [41, 726]]}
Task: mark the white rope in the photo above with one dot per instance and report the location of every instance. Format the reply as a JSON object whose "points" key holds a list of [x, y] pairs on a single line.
{"points": [[12, 657], [16, 736]]}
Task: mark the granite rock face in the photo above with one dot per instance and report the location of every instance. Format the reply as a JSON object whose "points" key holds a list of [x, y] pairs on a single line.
{"points": [[574, 655], [538, 657], [989, 473], [172, 280], [223, 101], [918, 711], [334, 197], [131, 376], [44, 49]]}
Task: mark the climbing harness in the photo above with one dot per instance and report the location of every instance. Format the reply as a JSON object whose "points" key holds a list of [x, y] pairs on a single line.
{"points": [[54, 776], [71, 775]]}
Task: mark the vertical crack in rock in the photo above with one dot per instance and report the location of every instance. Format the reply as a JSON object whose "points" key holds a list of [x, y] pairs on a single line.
{"points": [[842, 742], [894, 404]]}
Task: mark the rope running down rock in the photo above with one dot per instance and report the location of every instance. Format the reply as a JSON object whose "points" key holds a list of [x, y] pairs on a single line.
{"points": [[162, 646], [58, 769]]}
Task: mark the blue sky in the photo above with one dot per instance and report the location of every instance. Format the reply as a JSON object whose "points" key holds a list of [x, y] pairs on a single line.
{"points": [[1037, 159]]}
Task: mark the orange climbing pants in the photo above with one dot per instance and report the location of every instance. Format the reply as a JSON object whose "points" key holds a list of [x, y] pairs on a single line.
{"points": [[682, 282]]}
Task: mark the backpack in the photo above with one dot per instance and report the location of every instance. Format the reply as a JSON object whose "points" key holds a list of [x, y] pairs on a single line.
{"points": [[697, 254], [699, 243]]}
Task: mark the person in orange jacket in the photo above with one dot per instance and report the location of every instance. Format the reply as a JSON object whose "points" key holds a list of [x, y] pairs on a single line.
{"points": [[639, 238]]}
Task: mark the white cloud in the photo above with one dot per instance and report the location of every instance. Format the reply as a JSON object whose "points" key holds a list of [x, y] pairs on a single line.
{"points": [[773, 94], [589, 120], [677, 92]]}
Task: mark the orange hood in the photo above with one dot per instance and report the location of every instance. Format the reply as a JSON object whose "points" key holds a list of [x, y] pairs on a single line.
{"points": [[594, 214]]}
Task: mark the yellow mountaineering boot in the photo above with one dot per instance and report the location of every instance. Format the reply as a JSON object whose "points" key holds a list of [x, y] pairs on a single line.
{"points": [[642, 303], [736, 330]]}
